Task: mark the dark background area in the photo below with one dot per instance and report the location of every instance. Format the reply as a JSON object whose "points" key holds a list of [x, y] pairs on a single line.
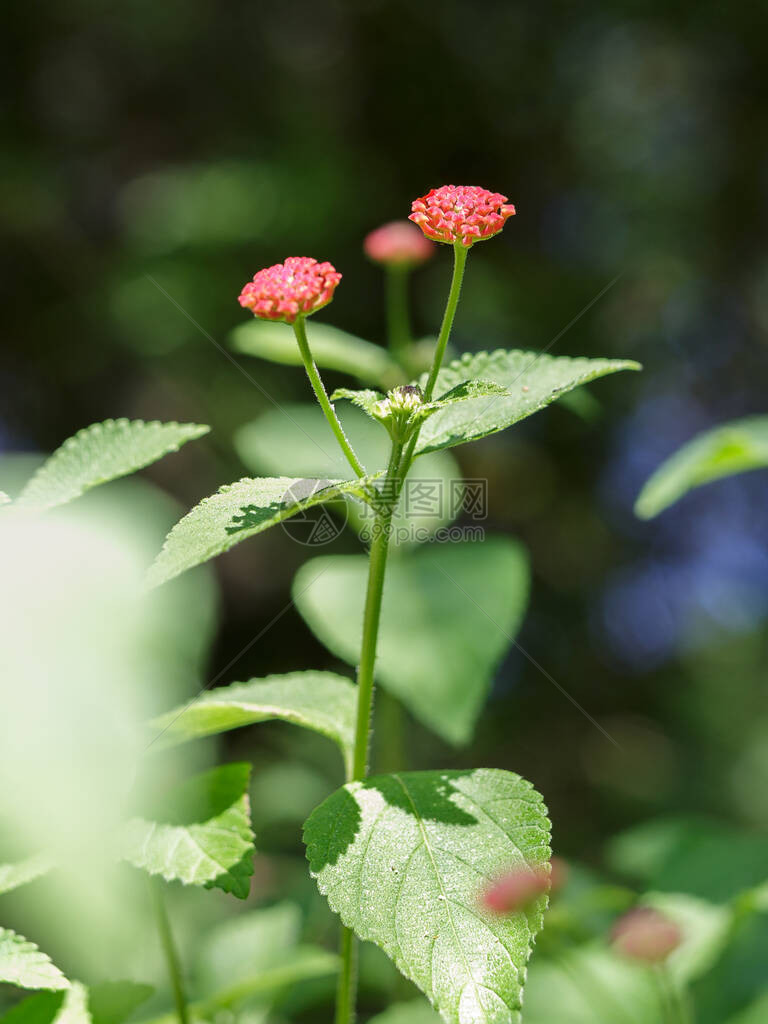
{"points": [[176, 148]]}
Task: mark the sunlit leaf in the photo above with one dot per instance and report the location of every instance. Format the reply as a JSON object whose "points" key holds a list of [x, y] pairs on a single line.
{"points": [[239, 511], [103, 452], [533, 380], [332, 349], [403, 860], [297, 439], [24, 965], [449, 613], [199, 833], [732, 448], [23, 871], [315, 700]]}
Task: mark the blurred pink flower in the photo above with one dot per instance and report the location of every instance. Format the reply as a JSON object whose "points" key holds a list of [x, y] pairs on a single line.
{"points": [[461, 213], [646, 934], [298, 287], [516, 890], [398, 243]]}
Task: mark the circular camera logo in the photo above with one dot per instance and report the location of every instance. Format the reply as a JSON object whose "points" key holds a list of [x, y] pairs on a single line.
{"points": [[317, 525]]}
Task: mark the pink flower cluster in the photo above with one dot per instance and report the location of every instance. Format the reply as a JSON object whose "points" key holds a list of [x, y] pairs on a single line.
{"points": [[298, 287], [397, 243], [461, 213]]}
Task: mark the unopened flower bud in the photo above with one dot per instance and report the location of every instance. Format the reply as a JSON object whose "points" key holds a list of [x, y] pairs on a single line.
{"points": [[646, 935], [461, 213], [298, 287], [398, 244], [516, 890]]}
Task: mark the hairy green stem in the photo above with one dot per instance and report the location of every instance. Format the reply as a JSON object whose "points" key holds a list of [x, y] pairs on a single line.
{"points": [[459, 263], [169, 950], [398, 324], [346, 988], [300, 330]]}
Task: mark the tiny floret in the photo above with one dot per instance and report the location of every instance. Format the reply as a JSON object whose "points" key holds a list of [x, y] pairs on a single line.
{"points": [[298, 287], [397, 244], [461, 213]]}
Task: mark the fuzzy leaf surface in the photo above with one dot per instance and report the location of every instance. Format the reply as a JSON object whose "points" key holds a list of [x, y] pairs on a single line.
{"points": [[239, 511], [449, 613], [321, 701], [24, 965], [403, 860], [532, 381], [199, 833], [332, 349], [732, 448], [103, 452]]}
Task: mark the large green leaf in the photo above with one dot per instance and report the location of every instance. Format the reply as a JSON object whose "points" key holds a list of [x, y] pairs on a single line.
{"points": [[316, 700], [732, 448], [449, 613], [23, 964], [199, 833], [238, 511], [23, 871], [403, 860], [103, 452], [534, 381], [286, 441], [332, 350]]}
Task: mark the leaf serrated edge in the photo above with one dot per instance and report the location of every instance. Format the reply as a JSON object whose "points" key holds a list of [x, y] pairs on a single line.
{"points": [[399, 961]]}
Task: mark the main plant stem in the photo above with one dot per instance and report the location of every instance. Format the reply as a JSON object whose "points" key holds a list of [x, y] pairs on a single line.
{"points": [[399, 464], [169, 949], [300, 330]]}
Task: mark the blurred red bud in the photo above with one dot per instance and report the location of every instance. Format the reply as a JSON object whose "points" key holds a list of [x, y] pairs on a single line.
{"points": [[516, 889], [646, 934]]}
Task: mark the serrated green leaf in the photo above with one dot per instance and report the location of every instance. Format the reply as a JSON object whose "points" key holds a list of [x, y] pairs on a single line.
{"points": [[416, 1012], [321, 701], [239, 511], [280, 443], [103, 452], [14, 875], [449, 613], [24, 965], [332, 349], [365, 400], [732, 448], [112, 1002], [199, 833], [403, 859], [533, 381]]}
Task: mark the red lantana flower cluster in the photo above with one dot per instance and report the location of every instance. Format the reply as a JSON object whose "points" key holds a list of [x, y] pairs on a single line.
{"points": [[398, 244], [298, 287], [461, 213]]}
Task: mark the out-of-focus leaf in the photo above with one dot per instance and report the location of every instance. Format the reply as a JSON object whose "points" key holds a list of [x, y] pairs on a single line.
{"points": [[332, 349], [24, 965], [112, 1002], [403, 860], [199, 834], [41, 1008], [732, 448], [23, 871], [316, 700], [416, 1012], [284, 440], [239, 511], [704, 926], [591, 985], [533, 380], [449, 613], [756, 1013], [4, 498], [100, 453]]}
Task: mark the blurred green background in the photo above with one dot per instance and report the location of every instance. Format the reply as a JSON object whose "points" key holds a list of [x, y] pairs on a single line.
{"points": [[159, 154]]}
